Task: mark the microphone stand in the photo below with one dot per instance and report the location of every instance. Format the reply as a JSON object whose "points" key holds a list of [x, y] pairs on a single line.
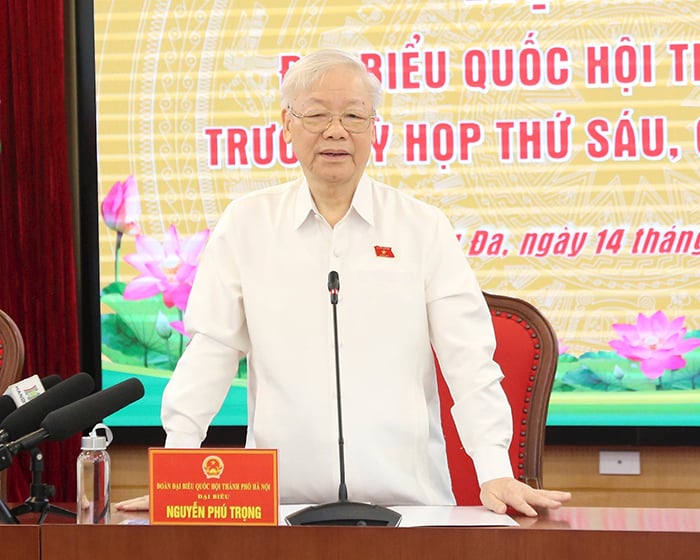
{"points": [[40, 493], [6, 516], [342, 512]]}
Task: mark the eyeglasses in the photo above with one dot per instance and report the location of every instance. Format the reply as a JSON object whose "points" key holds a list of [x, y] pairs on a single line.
{"points": [[319, 121]]}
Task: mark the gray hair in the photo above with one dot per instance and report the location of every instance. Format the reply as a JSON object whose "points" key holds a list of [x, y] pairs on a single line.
{"points": [[304, 72]]}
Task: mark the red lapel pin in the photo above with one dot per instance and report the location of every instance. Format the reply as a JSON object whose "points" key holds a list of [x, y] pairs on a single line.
{"points": [[383, 251]]}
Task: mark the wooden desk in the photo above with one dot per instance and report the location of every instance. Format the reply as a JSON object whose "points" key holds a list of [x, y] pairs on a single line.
{"points": [[20, 541], [567, 534]]}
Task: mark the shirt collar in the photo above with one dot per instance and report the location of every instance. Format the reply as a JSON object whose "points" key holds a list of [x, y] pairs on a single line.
{"points": [[304, 206], [361, 202]]}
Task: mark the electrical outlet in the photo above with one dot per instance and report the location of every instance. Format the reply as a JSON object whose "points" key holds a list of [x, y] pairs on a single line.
{"points": [[619, 462]]}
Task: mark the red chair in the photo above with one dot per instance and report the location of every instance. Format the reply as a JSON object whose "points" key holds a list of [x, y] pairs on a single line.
{"points": [[11, 364], [527, 351], [11, 352]]}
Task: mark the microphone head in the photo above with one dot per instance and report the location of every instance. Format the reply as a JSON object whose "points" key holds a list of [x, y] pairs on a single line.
{"points": [[7, 406], [28, 417], [333, 286], [333, 281], [51, 381], [85, 413]]}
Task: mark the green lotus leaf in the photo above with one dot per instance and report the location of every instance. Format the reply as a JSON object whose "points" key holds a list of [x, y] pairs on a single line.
{"points": [[566, 364], [137, 319], [120, 346], [620, 374], [687, 377], [584, 379], [113, 288]]}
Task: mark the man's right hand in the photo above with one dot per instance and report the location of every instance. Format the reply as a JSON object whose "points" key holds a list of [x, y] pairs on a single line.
{"points": [[141, 503]]}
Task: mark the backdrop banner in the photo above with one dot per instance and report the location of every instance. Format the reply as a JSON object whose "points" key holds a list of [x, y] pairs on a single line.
{"points": [[561, 138]]}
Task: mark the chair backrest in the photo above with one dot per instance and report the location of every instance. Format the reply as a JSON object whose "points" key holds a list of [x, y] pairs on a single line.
{"points": [[527, 351], [11, 364], [11, 352]]}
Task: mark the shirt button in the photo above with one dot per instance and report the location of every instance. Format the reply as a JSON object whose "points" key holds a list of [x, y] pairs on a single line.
{"points": [[336, 252]]}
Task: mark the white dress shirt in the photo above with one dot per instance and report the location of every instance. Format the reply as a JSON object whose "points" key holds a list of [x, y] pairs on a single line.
{"points": [[261, 291]]}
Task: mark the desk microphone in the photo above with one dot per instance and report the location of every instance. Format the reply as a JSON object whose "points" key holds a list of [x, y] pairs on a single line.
{"points": [[342, 512]]}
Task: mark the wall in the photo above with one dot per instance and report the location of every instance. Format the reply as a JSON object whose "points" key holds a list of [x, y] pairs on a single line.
{"points": [[670, 476]]}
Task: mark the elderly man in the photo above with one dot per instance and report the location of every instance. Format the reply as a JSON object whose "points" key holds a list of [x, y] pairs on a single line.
{"points": [[407, 291]]}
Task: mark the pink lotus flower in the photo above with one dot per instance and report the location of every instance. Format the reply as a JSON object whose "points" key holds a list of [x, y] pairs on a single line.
{"points": [[168, 268], [121, 208], [655, 342]]}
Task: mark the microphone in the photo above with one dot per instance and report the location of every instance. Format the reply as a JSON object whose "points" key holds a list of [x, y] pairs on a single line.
{"points": [[85, 413], [18, 391], [7, 405], [342, 512], [75, 417], [333, 286], [28, 417]]}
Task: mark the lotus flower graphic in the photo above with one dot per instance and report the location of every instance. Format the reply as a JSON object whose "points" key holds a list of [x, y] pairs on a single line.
{"points": [[656, 342]]}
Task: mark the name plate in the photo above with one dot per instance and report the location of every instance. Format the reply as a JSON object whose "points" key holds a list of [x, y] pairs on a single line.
{"points": [[213, 486]]}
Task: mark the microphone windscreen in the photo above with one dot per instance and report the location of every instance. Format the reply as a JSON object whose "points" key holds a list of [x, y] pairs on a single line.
{"points": [[28, 417], [51, 381], [7, 406], [85, 413]]}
